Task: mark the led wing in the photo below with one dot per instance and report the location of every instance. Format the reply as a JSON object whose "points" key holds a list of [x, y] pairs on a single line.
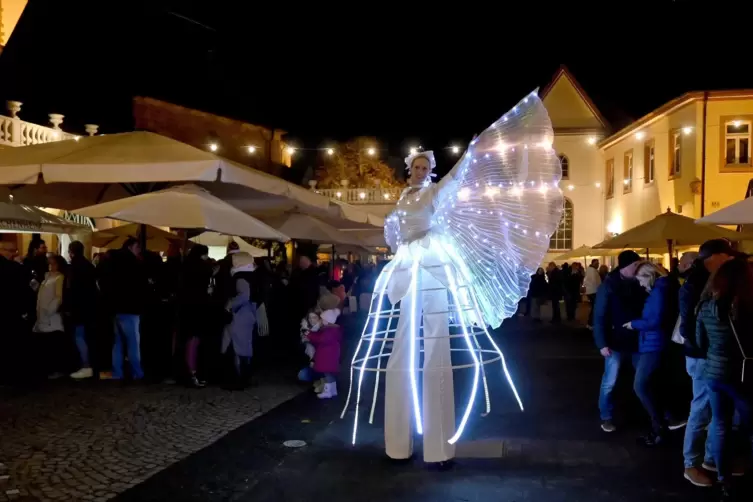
{"points": [[499, 206]]}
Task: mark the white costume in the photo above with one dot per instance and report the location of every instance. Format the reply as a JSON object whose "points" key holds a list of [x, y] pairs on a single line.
{"points": [[465, 249]]}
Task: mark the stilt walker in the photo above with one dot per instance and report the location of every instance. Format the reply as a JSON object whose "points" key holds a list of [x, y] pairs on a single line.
{"points": [[464, 252]]}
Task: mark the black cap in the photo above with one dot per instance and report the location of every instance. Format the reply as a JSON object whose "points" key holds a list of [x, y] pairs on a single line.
{"points": [[715, 246], [627, 258]]}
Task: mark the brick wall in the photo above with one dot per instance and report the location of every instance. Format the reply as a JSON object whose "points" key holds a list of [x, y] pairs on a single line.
{"points": [[200, 129]]}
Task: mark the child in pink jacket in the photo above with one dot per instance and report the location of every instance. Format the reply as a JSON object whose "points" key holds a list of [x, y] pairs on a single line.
{"points": [[327, 342]]}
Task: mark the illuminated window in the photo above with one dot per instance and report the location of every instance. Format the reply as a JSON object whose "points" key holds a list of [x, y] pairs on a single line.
{"points": [[649, 162], [610, 178], [737, 142], [562, 239], [676, 153], [565, 163], [627, 180]]}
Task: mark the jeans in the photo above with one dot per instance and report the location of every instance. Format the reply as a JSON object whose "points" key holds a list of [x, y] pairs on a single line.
{"points": [[612, 366], [127, 329], [83, 348], [647, 388], [699, 417], [725, 398]]}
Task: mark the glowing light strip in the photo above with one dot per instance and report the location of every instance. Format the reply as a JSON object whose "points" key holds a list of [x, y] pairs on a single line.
{"points": [[371, 343], [412, 368], [379, 365], [501, 356], [469, 406]]}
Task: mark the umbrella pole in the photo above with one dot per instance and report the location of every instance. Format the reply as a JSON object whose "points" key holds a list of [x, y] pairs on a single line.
{"points": [[648, 256]]}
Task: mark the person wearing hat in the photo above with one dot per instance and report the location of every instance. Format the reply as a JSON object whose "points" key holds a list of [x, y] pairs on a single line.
{"points": [[238, 332], [619, 300], [697, 458]]}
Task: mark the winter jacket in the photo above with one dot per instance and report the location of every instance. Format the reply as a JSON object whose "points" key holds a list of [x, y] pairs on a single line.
{"points": [[690, 296], [49, 301], [618, 301], [592, 281], [717, 342], [659, 315], [327, 342]]}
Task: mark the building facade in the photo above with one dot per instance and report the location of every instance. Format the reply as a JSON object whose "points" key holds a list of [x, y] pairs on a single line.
{"points": [[10, 13], [249, 144]]}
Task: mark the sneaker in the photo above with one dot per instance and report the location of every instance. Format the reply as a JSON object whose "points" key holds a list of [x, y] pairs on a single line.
{"points": [[319, 386], [677, 424], [698, 477], [738, 469], [82, 373], [608, 426], [330, 391]]}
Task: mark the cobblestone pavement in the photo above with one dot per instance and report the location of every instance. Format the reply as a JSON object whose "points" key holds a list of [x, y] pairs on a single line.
{"points": [[90, 441]]}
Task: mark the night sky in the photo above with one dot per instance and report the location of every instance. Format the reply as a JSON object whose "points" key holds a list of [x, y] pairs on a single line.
{"points": [[405, 76]]}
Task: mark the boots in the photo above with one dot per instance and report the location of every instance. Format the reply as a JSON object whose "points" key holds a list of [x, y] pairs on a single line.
{"points": [[330, 391]]}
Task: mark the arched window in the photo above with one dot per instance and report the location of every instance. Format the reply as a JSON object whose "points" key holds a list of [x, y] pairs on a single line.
{"points": [[562, 239], [565, 163]]}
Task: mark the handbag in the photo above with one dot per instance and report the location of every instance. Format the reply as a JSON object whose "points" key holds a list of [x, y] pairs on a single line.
{"points": [[740, 345]]}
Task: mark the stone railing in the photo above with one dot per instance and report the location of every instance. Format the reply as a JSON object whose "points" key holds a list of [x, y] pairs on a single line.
{"points": [[362, 195], [17, 132]]}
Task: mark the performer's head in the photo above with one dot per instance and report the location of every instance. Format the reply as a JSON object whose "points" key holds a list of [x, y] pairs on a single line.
{"points": [[420, 166]]}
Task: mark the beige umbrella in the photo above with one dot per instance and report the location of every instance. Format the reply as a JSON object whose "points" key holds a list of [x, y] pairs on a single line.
{"points": [[739, 213], [18, 218], [584, 252], [668, 230], [338, 214], [307, 228], [213, 239], [185, 207], [71, 174], [113, 238]]}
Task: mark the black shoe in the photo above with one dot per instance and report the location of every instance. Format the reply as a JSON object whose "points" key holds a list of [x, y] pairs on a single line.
{"points": [[400, 461], [441, 466], [196, 383], [651, 439]]}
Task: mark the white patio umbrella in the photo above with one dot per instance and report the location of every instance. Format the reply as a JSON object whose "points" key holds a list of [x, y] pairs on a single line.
{"points": [[213, 239], [339, 214], [739, 213], [71, 174], [19, 218], [185, 207], [308, 228]]}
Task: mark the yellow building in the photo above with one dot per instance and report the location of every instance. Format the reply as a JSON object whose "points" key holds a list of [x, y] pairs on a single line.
{"points": [[691, 155], [10, 13]]}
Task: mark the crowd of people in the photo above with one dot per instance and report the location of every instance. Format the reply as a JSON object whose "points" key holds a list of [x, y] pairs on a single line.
{"points": [[130, 315], [700, 316]]}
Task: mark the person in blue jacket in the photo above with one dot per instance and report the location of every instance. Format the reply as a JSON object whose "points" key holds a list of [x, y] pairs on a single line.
{"points": [[654, 329]]}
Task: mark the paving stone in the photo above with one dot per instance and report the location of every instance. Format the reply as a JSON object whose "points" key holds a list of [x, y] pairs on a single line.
{"points": [[90, 441]]}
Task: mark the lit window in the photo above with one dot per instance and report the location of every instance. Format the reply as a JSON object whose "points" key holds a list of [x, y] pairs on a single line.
{"points": [[737, 141], [565, 163], [562, 239], [627, 183], [649, 162], [676, 149], [610, 178]]}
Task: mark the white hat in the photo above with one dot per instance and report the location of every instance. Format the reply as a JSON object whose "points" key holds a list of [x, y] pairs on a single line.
{"points": [[330, 316], [428, 155]]}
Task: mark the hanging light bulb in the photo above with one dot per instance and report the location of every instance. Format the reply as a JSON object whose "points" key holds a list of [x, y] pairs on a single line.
{"points": [[291, 150], [371, 151], [252, 150], [330, 151], [456, 150], [213, 147]]}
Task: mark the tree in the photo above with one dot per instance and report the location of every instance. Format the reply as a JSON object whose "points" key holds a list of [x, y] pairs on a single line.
{"points": [[359, 163]]}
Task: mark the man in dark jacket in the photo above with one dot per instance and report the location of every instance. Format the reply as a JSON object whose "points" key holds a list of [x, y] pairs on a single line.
{"points": [[15, 295], [711, 255], [79, 305], [125, 287], [619, 300]]}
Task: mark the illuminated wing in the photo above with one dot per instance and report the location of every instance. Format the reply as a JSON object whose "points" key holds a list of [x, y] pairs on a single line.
{"points": [[499, 206]]}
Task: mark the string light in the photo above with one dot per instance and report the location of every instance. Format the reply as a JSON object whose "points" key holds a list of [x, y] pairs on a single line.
{"points": [[213, 147], [687, 130], [371, 151], [252, 150], [455, 149], [413, 150], [330, 151], [291, 150]]}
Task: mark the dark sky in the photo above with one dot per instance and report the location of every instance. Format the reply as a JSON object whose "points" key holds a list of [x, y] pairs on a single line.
{"points": [[404, 74]]}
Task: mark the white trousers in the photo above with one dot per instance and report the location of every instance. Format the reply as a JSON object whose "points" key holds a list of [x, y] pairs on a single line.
{"points": [[438, 407]]}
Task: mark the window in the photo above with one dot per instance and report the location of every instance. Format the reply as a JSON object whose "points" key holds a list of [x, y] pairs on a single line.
{"points": [[562, 239], [737, 142], [676, 153], [610, 178], [565, 163], [649, 162], [627, 182]]}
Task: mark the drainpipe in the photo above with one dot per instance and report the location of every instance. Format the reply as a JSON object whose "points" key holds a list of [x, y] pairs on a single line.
{"points": [[703, 156]]}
